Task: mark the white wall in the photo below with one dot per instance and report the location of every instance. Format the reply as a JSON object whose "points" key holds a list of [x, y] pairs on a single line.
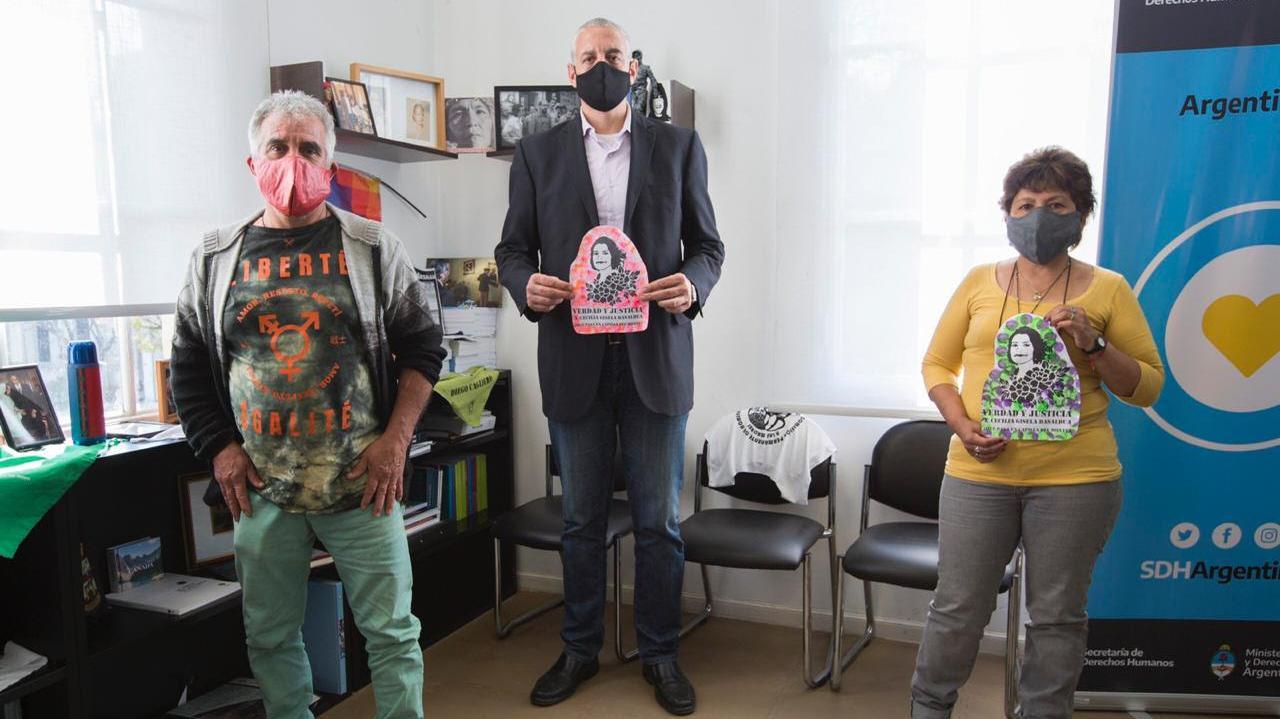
{"points": [[728, 51]]}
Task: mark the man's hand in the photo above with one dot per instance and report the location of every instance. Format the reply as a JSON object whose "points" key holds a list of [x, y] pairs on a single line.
{"points": [[673, 293], [383, 462], [231, 468], [544, 292]]}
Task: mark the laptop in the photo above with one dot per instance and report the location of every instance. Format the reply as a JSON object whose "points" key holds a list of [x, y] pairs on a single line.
{"points": [[175, 594]]}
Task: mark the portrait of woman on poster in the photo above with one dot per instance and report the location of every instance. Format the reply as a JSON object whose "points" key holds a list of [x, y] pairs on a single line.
{"points": [[1036, 369], [612, 283]]}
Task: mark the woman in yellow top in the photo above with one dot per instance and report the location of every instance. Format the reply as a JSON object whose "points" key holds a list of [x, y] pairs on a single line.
{"points": [[1059, 499]]}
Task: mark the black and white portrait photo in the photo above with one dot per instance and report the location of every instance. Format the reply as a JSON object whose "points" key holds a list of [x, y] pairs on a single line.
{"points": [[528, 110], [613, 283], [468, 124]]}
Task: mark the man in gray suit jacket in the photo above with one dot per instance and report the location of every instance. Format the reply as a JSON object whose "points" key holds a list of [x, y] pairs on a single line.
{"points": [[609, 167]]}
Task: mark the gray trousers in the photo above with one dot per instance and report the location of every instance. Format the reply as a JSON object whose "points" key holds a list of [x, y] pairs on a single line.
{"points": [[1062, 530]]}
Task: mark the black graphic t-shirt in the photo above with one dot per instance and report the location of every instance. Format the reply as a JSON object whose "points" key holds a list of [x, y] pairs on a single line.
{"points": [[300, 381]]}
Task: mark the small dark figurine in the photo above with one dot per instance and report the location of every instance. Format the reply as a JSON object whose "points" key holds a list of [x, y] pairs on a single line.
{"points": [[641, 89], [648, 96]]}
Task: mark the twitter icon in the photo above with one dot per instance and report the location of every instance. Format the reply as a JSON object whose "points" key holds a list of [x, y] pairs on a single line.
{"points": [[1184, 535]]}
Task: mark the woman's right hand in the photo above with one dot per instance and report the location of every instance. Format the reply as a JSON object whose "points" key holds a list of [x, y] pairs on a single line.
{"points": [[978, 445]]}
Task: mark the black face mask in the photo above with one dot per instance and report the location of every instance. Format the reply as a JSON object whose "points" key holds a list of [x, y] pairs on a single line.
{"points": [[603, 86]]}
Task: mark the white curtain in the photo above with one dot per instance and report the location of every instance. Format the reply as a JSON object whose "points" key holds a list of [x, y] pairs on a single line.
{"points": [[123, 138], [898, 120]]}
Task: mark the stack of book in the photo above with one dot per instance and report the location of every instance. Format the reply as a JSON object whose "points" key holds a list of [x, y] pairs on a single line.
{"points": [[471, 321], [464, 482], [471, 337], [422, 500]]}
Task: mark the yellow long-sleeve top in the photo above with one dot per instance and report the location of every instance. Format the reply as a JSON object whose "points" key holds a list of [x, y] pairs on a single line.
{"points": [[965, 340]]}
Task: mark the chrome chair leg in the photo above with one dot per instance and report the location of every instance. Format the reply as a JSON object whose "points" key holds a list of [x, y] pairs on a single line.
{"points": [[1012, 664], [705, 614], [504, 631], [867, 635], [813, 681], [623, 656]]}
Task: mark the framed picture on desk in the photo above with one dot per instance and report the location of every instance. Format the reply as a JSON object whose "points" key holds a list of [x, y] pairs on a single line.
{"points": [[26, 412], [210, 531], [166, 410]]}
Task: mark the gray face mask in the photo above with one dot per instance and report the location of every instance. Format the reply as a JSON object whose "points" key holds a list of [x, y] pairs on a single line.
{"points": [[1041, 234]]}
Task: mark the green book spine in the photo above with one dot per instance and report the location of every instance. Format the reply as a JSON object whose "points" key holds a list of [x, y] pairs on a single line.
{"points": [[482, 482], [460, 489]]}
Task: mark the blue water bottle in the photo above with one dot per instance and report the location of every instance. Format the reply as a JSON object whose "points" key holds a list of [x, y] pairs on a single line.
{"points": [[84, 384]]}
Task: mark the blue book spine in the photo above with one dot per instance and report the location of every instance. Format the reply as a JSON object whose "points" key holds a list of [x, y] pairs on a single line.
{"points": [[447, 508], [324, 635]]}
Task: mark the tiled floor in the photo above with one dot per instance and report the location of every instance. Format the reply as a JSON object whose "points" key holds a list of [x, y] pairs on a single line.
{"points": [[740, 670]]}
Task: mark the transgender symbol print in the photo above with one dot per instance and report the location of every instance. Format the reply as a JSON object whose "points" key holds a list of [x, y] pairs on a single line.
{"points": [[607, 277]]}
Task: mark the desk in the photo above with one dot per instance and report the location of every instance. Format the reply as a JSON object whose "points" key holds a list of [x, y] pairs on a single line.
{"points": [[124, 663]]}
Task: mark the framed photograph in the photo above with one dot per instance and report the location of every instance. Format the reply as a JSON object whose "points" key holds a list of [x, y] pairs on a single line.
{"points": [[350, 104], [468, 124], [167, 411], [26, 412], [410, 104], [210, 531], [467, 281], [524, 110]]}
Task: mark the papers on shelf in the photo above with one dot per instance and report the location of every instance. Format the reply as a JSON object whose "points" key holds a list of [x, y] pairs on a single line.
{"points": [[463, 353], [471, 321], [470, 338], [16, 663]]}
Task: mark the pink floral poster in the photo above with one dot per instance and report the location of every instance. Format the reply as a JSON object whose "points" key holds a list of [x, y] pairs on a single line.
{"points": [[607, 277]]}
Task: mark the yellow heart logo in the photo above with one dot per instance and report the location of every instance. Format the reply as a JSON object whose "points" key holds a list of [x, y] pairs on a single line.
{"points": [[1247, 334]]}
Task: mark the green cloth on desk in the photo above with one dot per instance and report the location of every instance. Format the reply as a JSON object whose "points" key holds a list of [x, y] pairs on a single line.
{"points": [[32, 482], [467, 392]]}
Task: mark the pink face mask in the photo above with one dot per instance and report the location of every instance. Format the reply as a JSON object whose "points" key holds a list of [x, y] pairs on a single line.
{"points": [[292, 185]]}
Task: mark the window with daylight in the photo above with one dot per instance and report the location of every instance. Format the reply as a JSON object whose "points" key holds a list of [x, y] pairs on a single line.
{"points": [[129, 146], [932, 101]]}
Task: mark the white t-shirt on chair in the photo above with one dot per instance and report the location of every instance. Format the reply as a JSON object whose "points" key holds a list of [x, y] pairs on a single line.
{"points": [[784, 446]]}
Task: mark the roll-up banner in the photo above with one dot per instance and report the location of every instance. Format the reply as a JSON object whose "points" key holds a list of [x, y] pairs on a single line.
{"points": [[1185, 602]]}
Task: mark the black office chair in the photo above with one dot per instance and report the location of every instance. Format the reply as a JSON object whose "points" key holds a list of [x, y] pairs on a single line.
{"points": [[755, 539], [539, 524], [905, 473]]}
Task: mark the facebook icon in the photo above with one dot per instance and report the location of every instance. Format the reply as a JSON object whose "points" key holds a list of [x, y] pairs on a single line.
{"points": [[1226, 535]]}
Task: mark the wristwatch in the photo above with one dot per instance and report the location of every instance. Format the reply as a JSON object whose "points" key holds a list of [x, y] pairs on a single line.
{"points": [[1098, 345]]}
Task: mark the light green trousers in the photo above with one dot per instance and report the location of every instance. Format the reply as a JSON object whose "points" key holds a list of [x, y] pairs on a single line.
{"points": [[273, 558]]}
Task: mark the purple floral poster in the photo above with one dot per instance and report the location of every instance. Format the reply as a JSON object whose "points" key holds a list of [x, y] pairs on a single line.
{"points": [[1033, 392]]}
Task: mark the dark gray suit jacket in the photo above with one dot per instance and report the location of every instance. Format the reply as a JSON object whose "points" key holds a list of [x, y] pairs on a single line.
{"points": [[668, 217]]}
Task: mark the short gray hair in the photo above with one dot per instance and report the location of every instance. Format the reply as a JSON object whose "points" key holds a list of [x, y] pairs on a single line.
{"points": [[597, 22], [295, 104]]}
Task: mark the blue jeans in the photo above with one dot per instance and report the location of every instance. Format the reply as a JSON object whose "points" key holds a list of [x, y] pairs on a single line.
{"points": [[653, 459]]}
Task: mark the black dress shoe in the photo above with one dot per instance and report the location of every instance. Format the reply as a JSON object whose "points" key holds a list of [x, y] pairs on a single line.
{"points": [[562, 680], [671, 687]]}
